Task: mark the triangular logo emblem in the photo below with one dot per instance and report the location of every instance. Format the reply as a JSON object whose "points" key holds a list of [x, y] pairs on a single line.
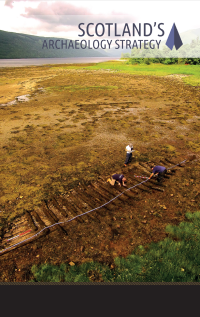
{"points": [[174, 38]]}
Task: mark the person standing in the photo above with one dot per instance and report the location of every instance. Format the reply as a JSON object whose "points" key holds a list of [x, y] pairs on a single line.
{"points": [[160, 171], [129, 150]]}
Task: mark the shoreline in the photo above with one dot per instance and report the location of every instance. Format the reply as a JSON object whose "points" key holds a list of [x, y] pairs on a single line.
{"points": [[51, 61]]}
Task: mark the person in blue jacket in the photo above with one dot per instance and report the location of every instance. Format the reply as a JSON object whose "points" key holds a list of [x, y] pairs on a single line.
{"points": [[160, 171], [117, 178]]}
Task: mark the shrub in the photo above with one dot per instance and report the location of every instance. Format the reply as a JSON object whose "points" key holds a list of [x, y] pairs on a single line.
{"points": [[147, 61], [166, 261]]}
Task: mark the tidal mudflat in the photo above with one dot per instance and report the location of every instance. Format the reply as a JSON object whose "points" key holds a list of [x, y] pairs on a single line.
{"points": [[70, 136]]}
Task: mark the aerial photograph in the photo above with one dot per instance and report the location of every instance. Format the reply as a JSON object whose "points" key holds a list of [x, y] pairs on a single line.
{"points": [[100, 142]]}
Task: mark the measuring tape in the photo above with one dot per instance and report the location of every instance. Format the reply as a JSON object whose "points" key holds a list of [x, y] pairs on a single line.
{"points": [[21, 234], [140, 176]]}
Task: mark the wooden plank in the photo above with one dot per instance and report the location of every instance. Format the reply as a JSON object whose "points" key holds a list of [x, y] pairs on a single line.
{"points": [[72, 208], [164, 163], [113, 191], [156, 188], [78, 208], [57, 206], [147, 168], [52, 217], [154, 182], [91, 193], [38, 219], [83, 199], [30, 221], [126, 193], [170, 161], [135, 181], [31, 240], [105, 194]]}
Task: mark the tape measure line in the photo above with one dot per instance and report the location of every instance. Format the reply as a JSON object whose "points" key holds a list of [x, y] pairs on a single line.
{"points": [[58, 223], [21, 234]]}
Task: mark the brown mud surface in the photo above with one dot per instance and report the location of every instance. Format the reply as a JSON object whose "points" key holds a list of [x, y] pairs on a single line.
{"points": [[59, 147]]}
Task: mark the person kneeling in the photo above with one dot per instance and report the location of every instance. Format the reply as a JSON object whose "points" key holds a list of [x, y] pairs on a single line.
{"points": [[117, 178]]}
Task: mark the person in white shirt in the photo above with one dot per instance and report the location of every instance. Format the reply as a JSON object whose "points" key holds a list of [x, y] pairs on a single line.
{"points": [[129, 150]]}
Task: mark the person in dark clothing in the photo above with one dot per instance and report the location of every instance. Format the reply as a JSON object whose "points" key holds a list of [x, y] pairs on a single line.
{"points": [[119, 178], [160, 171], [129, 150]]}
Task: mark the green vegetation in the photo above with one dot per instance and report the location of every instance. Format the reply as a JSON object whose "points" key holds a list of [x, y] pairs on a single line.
{"points": [[192, 71], [165, 61], [166, 56], [66, 138], [167, 261], [74, 109]]}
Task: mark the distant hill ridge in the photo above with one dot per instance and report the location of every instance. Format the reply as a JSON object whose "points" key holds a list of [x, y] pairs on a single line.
{"points": [[18, 45]]}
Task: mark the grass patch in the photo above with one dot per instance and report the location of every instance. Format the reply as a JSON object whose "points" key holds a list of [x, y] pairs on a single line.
{"points": [[175, 259], [193, 71]]}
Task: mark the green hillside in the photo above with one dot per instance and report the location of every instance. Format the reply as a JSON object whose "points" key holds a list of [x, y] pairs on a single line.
{"points": [[17, 45]]}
